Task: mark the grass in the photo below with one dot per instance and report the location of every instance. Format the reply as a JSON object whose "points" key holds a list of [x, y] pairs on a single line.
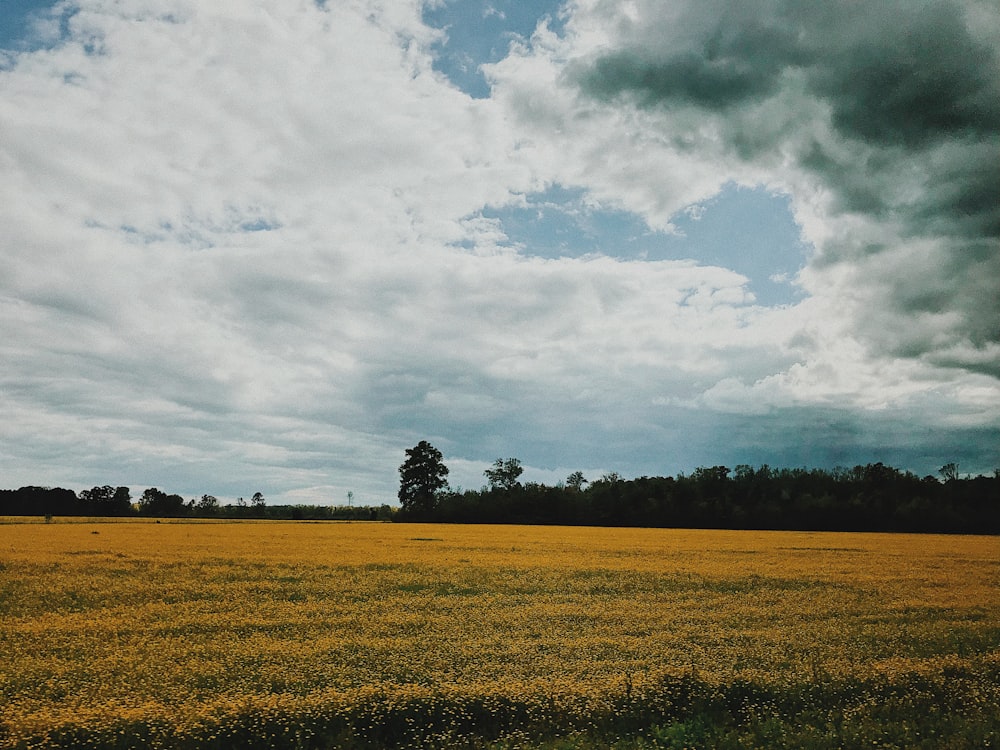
{"points": [[371, 635]]}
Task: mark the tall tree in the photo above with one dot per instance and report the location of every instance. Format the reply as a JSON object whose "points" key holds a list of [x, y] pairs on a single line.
{"points": [[421, 476]]}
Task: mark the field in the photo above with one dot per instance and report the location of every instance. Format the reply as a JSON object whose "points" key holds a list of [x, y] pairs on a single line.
{"points": [[323, 635]]}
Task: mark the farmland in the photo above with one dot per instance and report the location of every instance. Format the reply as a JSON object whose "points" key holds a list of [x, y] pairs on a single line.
{"points": [[270, 634]]}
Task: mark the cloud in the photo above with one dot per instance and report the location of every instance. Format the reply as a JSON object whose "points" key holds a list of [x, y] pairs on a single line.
{"points": [[245, 248], [889, 116], [239, 261]]}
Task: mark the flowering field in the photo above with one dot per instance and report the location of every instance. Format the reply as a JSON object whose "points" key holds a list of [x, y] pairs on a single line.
{"points": [[270, 634]]}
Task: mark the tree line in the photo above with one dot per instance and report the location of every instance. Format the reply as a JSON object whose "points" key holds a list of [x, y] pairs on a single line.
{"points": [[873, 497], [108, 501]]}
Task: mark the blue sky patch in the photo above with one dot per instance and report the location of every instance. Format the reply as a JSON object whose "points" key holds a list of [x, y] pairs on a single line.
{"points": [[16, 17], [480, 31], [748, 230]]}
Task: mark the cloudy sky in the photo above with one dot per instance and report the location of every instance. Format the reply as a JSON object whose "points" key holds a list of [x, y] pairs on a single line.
{"points": [[270, 244]]}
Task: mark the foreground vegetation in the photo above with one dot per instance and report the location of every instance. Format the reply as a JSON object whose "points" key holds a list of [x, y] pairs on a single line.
{"points": [[267, 634]]}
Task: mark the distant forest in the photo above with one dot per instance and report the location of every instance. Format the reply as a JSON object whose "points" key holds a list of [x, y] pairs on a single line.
{"points": [[873, 497], [108, 501]]}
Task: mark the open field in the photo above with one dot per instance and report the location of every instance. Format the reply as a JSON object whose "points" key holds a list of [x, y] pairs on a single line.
{"points": [[270, 634]]}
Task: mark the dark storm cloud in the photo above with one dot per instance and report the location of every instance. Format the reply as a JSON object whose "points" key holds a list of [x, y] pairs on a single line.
{"points": [[920, 79], [690, 78], [733, 65], [906, 78], [965, 197], [893, 106]]}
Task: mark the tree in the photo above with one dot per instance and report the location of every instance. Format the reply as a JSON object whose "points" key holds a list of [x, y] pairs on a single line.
{"points": [[575, 481], [504, 473], [421, 476], [155, 502], [610, 478], [949, 472], [106, 501], [208, 505], [39, 501], [257, 501], [121, 503]]}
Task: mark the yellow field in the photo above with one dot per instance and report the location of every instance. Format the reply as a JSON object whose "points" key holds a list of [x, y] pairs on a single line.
{"points": [[174, 629]]}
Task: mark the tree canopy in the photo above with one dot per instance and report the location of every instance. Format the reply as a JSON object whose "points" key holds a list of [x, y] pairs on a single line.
{"points": [[871, 497], [421, 477], [504, 474]]}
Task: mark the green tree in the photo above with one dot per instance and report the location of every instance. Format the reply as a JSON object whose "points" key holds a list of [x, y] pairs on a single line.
{"points": [[504, 474], [121, 502], [106, 501], [421, 477], [208, 505], [155, 502], [575, 481]]}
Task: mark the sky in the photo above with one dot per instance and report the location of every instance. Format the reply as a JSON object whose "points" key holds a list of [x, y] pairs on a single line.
{"points": [[268, 246]]}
